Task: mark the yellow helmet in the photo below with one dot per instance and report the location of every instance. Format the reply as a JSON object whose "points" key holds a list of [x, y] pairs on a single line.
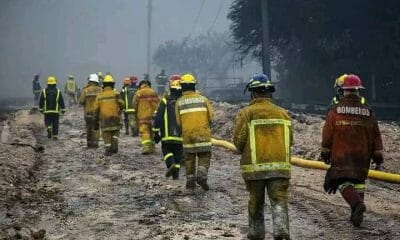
{"points": [[108, 79], [175, 84], [339, 81], [51, 80], [188, 79]]}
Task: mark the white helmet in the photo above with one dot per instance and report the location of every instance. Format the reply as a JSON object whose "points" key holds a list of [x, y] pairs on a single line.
{"points": [[94, 78]]}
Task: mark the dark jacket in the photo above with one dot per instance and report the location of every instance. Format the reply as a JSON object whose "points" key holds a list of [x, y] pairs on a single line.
{"points": [[352, 138], [127, 94], [165, 121], [51, 101], [36, 88]]}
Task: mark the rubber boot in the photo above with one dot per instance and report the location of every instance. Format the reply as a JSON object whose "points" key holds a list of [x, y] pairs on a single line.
{"points": [[147, 148], [49, 131], [114, 144], [190, 182], [175, 173], [202, 173], [126, 129], [358, 208], [135, 132]]}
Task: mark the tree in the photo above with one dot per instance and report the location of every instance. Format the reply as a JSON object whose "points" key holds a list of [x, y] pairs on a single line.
{"points": [[314, 41], [209, 54]]}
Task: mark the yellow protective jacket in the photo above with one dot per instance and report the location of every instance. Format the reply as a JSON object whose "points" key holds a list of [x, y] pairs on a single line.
{"points": [[263, 134], [108, 108], [145, 103], [88, 98], [194, 114]]}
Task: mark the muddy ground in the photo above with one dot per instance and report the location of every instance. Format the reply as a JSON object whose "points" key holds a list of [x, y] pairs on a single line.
{"points": [[69, 192]]}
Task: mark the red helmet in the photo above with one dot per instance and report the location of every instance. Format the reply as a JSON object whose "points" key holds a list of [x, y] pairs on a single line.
{"points": [[174, 77], [352, 81], [133, 79]]}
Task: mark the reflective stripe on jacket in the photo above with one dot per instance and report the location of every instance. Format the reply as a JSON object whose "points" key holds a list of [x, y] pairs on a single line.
{"points": [[194, 114], [88, 98], [108, 109], [165, 121], [51, 101], [145, 103], [263, 134]]}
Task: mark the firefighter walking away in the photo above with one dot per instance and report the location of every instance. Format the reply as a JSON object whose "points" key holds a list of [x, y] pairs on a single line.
{"points": [[350, 139], [108, 109], [51, 104], [71, 90], [88, 100], [168, 131], [263, 136], [194, 114], [145, 103], [127, 93]]}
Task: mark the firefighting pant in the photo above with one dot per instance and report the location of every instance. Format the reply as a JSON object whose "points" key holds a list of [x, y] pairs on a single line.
{"points": [[172, 154], [92, 136], [111, 140], [352, 191], [72, 99], [130, 122], [52, 123], [203, 164], [146, 137], [36, 98], [277, 189]]}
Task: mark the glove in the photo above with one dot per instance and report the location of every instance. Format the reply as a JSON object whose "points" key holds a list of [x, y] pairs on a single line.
{"points": [[326, 156], [330, 185], [157, 137], [379, 167]]}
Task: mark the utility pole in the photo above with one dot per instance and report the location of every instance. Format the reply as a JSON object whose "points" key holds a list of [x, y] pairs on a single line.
{"points": [[149, 12], [266, 60]]}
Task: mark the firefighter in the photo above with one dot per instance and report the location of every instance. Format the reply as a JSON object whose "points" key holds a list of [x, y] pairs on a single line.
{"points": [[36, 89], [339, 91], [145, 104], [350, 139], [70, 89], [263, 135], [168, 131], [127, 93], [87, 99], [161, 80], [108, 109], [194, 114], [51, 104]]}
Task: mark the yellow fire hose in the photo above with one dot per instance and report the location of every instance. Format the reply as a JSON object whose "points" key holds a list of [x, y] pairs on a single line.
{"points": [[377, 175]]}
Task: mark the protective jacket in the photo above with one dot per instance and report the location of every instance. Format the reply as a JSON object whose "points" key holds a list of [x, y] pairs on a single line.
{"points": [[263, 134], [145, 103], [351, 136], [88, 98], [70, 86], [127, 94], [36, 88], [194, 114], [165, 121], [51, 101], [108, 108]]}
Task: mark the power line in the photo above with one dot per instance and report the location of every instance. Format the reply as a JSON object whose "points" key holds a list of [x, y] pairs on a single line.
{"points": [[196, 20], [221, 4]]}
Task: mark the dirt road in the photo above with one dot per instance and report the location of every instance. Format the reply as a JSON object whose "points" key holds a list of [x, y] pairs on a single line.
{"points": [[75, 193]]}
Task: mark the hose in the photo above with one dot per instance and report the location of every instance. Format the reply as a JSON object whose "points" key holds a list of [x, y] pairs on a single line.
{"points": [[373, 174]]}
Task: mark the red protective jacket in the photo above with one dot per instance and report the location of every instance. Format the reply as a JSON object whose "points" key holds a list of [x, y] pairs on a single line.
{"points": [[351, 135]]}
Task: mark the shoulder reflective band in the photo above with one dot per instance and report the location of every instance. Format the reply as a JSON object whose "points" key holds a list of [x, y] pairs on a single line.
{"points": [[335, 100], [106, 99], [164, 101], [286, 124], [363, 101]]}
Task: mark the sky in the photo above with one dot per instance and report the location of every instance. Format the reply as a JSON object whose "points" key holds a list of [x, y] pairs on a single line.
{"points": [[78, 37]]}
